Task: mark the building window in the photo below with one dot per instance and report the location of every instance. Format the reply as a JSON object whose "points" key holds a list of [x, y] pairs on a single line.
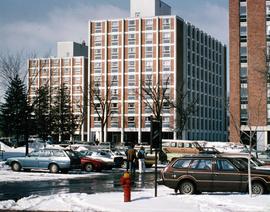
{"points": [[131, 52], [114, 94], [166, 51], [131, 25], [149, 38], [148, 66], [131, 66], [114, 121], [148, 51], [243, 72], [148, 80], [115, 25], [166, 66], [97, 122], [114, 80], [166, 37], [243, 30], [243, 51], [66, 71], [131, 39], [166, 23], [97, 81], [131, 94], [166, 122], [98, 27], [243, 90], [98, 54], [114, 40], [97, 67], [149, 24], [114, 53], [114, 67], [131, 121], [131, 80], [131, 108], [166, 80], [98, 40]]}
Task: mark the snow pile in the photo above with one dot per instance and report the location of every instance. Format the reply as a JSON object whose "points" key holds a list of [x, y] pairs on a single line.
{"points": [[141, 201], [224, 146], [6, 175], [4, 147]]}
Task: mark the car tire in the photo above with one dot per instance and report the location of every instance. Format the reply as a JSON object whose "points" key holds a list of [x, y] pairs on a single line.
{"points": [[16, 167], [88, 167], [257, 188], [186, 187], [54, 168]]}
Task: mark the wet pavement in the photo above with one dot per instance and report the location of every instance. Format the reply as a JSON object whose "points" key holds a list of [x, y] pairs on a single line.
{"points": [[109, 182]]}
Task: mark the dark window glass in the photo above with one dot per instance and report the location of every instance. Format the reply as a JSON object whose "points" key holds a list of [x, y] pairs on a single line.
{"points": [[180, 164], [224, 165]]}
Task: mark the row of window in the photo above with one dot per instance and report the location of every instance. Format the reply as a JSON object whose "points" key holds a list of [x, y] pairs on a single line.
{"points": [[205, 75], [199, 36], [166, 38], [166, 25], [166, 52], [55, 62]]}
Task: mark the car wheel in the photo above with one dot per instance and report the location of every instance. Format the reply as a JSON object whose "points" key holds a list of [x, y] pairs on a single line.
{"points": [[88, 167], [186, 188], [257, 188], [16, 167], [53, 168]]}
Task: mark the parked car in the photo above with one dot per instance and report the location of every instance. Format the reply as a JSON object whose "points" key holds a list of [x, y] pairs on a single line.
{"points": [[212, 173], [91, 164], [53, 159], [101, 155]]}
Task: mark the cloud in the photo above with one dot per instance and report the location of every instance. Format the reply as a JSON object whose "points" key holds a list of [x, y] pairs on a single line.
{"points": [[211, 18], [62, 24]]}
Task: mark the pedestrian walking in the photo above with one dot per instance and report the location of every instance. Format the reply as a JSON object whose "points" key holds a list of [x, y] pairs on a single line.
{"points": [[141, 158], [131, 159]]}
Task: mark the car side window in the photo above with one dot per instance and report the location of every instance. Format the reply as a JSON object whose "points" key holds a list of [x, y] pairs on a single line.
{"points": [[194, 164], [205, 165], [224, 165], [34, 154], [58, 154], [181, 164]]}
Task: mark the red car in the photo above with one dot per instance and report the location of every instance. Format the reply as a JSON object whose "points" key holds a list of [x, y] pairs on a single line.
{"points": [[91, 164]]}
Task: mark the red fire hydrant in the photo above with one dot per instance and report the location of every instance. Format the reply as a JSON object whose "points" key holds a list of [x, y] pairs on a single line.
{"points": [[126, 183]]}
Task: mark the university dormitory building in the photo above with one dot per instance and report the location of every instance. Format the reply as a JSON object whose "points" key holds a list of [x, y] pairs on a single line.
{"points": [[249, 23], [148, 47]]}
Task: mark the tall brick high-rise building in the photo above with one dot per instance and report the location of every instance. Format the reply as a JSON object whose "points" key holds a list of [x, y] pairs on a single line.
{"points": [[249, 23], [150, 46]]}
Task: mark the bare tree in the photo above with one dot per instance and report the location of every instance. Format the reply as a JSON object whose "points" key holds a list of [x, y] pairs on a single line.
{"points": [[155, 97], [185, 106], [101, 102]]}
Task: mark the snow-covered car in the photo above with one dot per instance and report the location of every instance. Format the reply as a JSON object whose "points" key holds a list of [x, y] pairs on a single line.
{"points": [[101, 155], [53, 159], [212, 173], [91, 164]]}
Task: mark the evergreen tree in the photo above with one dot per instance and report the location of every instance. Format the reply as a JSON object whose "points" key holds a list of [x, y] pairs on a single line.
{"points": [[42, 113], [15, 112], [64, 122]]}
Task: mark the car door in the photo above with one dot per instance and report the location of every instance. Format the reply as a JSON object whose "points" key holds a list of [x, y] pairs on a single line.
{"points": [[201, 171], [31, 161], [44, 159], [226, 177]]}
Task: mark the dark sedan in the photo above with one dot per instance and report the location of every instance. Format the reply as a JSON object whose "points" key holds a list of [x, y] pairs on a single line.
{"points": [[207, 173]]}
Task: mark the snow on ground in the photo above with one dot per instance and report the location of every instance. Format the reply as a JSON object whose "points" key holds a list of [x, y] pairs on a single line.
{"points": [[141, 201]]}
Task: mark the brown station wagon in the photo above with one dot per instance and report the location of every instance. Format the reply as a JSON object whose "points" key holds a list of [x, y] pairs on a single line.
{"points": [[212, 173]]}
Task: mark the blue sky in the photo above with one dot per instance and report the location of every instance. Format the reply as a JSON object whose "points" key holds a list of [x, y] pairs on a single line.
{"points": [[36, 25]]}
